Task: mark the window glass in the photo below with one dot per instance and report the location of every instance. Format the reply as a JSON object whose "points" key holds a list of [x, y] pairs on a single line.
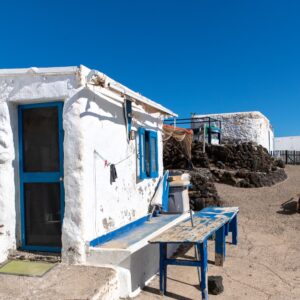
{"points": [[153, 154], [43, 214], [40, 139], [142, 154], [147, 153]]}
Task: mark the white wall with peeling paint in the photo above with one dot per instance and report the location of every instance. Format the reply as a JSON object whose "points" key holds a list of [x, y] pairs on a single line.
{"points": [[246, 127], [7, 184], [94, 128]]}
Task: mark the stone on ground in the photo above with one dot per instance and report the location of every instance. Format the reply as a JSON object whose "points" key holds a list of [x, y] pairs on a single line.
{"points": [[215, 285]]}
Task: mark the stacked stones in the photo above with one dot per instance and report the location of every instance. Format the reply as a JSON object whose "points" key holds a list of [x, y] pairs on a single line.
{"points": [[202, 192], [243, 165], [174, 157], [238, 164]]}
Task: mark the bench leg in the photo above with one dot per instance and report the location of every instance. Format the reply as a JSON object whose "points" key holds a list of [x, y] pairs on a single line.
{"points": [[197, 257], [202, 248], [162, 268], [220, 246], [234, 230], [226, 229]]}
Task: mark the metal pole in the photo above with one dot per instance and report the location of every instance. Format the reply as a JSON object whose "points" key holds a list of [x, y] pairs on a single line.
{"points": [[203, 137]]}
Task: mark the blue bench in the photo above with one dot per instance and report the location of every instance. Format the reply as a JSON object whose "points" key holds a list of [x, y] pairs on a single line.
{"points": [[184, 233], [208, 222]]}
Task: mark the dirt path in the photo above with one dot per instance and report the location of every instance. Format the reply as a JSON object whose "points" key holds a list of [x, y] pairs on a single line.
{"points": [[266, 262]]}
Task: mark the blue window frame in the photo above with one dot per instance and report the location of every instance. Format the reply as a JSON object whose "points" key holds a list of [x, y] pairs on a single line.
{"points": [[148, 157]]}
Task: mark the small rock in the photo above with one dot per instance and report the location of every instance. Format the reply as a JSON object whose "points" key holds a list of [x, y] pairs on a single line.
{"points": [[215, 285]]}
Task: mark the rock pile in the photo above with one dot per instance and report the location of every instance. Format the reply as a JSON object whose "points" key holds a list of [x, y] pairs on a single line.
{"points": [[174, 157], [238, 156], [242, 165], [238, 164], [202, 192]]}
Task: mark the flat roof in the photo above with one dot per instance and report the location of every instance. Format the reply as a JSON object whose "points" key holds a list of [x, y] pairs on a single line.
{"points": [[69, 70]]}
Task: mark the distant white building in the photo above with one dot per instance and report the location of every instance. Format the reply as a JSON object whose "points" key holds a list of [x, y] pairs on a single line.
{"points": [[246, 127], [290, 143]]}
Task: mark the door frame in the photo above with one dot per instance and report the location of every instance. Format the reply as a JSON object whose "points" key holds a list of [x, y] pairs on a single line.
{"points": [[40, 176]]}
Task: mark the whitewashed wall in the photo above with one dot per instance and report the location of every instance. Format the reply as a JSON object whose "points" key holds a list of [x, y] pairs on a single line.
{"points": [[100, 135], [7, 184], [16, 90], [246, 126], [94, 127], [291, 143]]}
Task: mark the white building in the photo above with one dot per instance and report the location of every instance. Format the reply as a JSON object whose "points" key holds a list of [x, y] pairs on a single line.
{"points": [[290, 143], [245, 127], [62, 132]]}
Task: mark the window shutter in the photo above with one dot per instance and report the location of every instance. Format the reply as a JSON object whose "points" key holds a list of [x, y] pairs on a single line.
{"points": [[129, 116], [142, 172], [153, 154]]}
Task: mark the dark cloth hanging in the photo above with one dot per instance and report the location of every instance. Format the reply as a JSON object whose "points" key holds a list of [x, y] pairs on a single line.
{"points": [[113, 173]]}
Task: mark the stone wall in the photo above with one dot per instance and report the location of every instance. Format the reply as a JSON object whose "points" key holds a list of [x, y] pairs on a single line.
{"points": [[245, 127], [242, 165]]}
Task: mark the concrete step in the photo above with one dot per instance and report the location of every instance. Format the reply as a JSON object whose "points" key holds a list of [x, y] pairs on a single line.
{"points": [[34, 256], [62, 282]]}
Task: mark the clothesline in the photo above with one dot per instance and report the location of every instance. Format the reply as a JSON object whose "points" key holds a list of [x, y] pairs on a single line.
{"points": [[108, 163]]}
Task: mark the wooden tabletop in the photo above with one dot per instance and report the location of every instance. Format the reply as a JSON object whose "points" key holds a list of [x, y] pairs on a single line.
{"points": [[204, 226]]}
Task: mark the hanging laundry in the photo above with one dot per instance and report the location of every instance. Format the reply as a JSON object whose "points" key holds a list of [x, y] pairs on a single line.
{"points": [[113, 173]]}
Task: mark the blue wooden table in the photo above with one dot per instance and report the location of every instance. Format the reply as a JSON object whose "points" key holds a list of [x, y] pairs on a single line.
{"points": [[184, 233], [231, 226]]}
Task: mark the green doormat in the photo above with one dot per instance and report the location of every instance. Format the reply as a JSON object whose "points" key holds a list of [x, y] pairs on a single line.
{"points": [[26, 268]]}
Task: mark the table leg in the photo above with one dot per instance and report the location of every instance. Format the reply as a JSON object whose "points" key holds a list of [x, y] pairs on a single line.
{"points": [[234, 230], [220, 246], [162, 267], [198, 258], [226, 229], [202, 248]]}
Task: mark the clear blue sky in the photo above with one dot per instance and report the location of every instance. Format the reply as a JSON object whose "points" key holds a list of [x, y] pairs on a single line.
{"points": [[192, 56]]}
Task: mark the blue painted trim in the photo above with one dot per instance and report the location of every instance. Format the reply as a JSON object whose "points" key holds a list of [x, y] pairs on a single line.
{"points": [[41, 176], [166, 189], [44, 104], [164, 262], [234, 230], [22, 206], [142, 132], [202, 248], [61, 160], [42, 248], [27, 177], [111, 235], [142, 152], [183, 262], [162, 267], [220, 245], [153, 136]]}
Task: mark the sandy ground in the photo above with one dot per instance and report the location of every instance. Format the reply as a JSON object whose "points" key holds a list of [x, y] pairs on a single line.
{"points": [[266, 262]]}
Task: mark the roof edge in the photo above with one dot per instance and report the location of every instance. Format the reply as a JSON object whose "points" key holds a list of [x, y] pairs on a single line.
{"points": [[39, 71]]}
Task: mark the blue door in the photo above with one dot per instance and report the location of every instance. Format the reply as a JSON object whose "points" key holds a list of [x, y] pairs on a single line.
{"points": [[41, 175]]}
